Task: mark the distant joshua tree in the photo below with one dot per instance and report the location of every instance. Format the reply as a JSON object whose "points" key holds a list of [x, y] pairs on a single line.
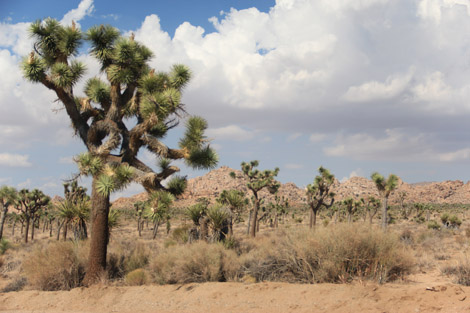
{"points": [[30, 203], [319, 194], [131, 91], [236, 202], [257, 180], [7, 198], [385, 188]]}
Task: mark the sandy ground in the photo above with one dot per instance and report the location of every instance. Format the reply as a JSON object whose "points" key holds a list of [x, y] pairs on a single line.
{"points": [[430, 292]]}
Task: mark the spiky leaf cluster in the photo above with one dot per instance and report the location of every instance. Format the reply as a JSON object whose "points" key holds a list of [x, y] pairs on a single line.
{"points": [[158, 206], [257, 179], [385, 186]]}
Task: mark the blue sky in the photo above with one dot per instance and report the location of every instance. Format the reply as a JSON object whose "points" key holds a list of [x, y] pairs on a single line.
{"points": [[356, 86]]}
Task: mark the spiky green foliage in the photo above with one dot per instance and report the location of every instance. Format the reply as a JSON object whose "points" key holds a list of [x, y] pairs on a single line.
{"points": [[8, 196], [202, 158], [180, 75], [218, 217], [195, 212], [320, 192], [385, 188], [257, 180], [177, 185], [130, 93]]}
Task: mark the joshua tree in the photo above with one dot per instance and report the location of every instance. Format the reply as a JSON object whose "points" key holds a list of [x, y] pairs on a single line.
{"points": [[158, 209], [257, 180], [385, 188], [218, 217], [30, 203], [236, 202], [139, 207], [319, 193], [77, 196], [132, 91], [352, 206], [7, 197], [372, 206], [277, 208]]}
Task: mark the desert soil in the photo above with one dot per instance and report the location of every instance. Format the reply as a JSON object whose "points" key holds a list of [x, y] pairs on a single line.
{"points": [[424, 292]]}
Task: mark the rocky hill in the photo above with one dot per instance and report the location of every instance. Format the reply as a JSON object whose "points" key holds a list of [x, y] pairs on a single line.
{"points": [[214, 182]]}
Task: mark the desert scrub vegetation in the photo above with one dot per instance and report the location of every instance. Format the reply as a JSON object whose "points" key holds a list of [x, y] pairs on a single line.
{"points": [[57, 266]]}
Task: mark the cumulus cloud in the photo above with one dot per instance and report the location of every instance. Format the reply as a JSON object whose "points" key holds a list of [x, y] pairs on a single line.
{"points": [[85, 8], [14, 160], [462, 154], [231, 132], [395, 145], [317, 137]]}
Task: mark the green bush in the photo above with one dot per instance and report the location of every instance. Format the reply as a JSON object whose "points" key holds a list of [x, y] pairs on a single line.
{"points": [[137, 277], [434, 225], [4, 245]]}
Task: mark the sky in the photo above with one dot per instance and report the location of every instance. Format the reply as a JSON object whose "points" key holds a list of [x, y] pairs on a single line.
{"points": [[356, 86]]}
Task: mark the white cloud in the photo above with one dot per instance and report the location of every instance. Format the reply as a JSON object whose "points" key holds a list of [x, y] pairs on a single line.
{"points": [[395, 145], [25, 184], [14, 160], [293, 137], [231, 132], [374, 90], [293, 166], [85, 8], [356, 173], [433, 9], [317, 137], [462, 154]]}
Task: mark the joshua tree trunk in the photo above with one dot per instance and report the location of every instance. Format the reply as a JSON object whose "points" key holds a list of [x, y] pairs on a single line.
{"points": [[26, 229], [313, 218], [66, 225], [99, 236], [384, 213], [50, 229], [254, 216], [2, 220], [249, 222], [155, 229], [13, 228], [230, 226]]}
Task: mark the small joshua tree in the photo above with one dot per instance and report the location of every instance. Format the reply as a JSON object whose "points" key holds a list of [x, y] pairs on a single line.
{"points": [[372, 206], [319, 193], [352, 206], [131, 91], [158, 209], [30, 204], [236, 202], [385, 188], [7, 198], [257, 180]]}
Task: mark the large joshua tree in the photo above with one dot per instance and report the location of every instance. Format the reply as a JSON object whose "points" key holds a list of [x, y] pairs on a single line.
{"points": [[130, 91], [385, 188], [257, 180], [319, 193]]}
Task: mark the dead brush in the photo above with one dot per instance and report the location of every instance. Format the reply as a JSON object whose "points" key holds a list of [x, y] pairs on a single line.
{"points": [[197, 262], [56, 266], [335, 254]]}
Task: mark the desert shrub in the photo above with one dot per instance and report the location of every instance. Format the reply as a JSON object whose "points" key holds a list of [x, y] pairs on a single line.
{"points": [[138, 258], [16, 285], [407, 236], [461, 272], [4, 245], [55, 267], [450, 221], [137, 277], [434, 225], [198, 262], [329, 255], [181, 234], [116, 265]]}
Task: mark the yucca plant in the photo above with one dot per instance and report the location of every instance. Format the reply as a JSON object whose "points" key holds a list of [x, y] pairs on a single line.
{"points": [[130, 91], [236, 202], [218, 217]]}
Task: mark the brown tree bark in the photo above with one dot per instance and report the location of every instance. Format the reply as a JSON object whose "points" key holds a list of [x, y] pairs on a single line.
{"points": [[2, 220], [26, 230], [384, 213], [99, 236], [254, 216]]}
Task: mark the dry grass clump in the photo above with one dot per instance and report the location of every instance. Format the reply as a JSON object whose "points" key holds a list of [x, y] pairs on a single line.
{"points": [[461, 271], [336, 254], [57, 266], [197, 262], [137, 277]]}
